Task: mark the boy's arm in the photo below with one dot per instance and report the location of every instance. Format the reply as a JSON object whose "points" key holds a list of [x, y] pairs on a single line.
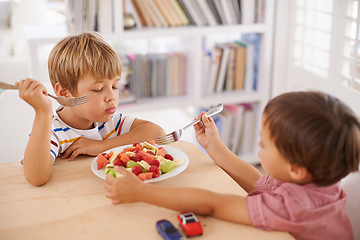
{"points": [[242, 172], [141, 130], [38, 163], [129, 189]]}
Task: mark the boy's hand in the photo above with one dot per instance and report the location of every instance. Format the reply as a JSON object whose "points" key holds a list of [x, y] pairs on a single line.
{"points": [[206, 130], [83, 146], [35, 94], [122, 189]]}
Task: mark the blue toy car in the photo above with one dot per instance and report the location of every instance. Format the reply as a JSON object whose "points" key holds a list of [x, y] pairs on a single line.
{"points": [[167, 230]]}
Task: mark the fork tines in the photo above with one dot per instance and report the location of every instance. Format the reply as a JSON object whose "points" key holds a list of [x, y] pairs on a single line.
{"points": [[80, 100], [166, 139]]}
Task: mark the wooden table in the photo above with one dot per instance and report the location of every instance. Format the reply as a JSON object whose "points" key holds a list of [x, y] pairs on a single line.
{"points": [[73, 204]]}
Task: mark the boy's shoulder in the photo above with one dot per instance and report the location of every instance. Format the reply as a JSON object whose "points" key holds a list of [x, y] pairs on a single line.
{"points": [[310, 194]]}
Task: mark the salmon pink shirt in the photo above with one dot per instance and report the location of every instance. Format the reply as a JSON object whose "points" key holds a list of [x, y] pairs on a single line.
{"points": [[305, 211]]}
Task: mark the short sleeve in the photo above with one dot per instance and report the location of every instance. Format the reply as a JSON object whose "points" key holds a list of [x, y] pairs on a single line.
{"points": [[270, 211], [125, 124]]}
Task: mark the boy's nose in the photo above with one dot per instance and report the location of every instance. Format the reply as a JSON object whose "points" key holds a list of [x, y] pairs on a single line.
{"points": [[110, 95]]}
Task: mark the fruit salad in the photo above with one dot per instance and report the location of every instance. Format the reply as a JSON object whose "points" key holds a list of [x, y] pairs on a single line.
{"points": [[143, 159]]}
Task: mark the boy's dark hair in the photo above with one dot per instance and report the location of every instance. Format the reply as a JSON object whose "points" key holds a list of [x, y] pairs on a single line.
{"points": [[75, 56], [317, 131]]}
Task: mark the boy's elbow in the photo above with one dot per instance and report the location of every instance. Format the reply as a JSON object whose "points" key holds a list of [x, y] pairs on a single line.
{"points": [[37, 181], [38, 177]]}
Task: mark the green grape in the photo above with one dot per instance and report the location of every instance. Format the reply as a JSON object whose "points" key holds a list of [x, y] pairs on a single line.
{"points": [[112, 172], [131, 163], [167, 166]]}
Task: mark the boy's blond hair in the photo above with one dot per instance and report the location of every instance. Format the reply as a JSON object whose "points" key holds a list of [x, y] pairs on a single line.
{"points": [[79, 55]]}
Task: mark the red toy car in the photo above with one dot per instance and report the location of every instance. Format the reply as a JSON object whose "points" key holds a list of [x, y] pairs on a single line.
{"points": [[190, 224]]}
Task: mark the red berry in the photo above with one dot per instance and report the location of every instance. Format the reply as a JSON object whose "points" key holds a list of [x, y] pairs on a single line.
{"points": [[136, 169], [135, 158], [151, 152], [155, 162], [168, 156], [118, 162], [155, 170]]}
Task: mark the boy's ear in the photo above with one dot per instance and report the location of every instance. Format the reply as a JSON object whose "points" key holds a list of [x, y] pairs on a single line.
{"points": [[60, 91], [299, 174]]}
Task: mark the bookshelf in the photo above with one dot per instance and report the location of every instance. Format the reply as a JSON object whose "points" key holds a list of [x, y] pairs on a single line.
{"points": [[191, 40]]}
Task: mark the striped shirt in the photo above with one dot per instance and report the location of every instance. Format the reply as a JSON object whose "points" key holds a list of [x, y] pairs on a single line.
{"points": [[62, 136]]}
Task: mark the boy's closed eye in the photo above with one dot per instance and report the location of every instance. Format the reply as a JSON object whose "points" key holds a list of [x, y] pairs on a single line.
{"points": [[98, 90]]}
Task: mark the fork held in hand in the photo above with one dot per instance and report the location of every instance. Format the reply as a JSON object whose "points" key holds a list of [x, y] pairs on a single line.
{"points": [[175, 135], [64, 101]]}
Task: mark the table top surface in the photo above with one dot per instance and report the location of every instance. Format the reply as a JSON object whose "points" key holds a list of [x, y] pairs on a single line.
{"points": [[72, 205]]}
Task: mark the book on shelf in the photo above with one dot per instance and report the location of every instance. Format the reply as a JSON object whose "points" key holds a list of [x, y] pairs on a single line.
{"points": [[194, 12], [236, 126], [169, 72], [103, 16], [125, 96], [237, 110], [237, 10], [130, 9], [144, 13], [199, 12], [74, 16], [221, 12], [206, 70], [224, 61], [163, 9], [230, 72], [260, 11], [214, 11], [106, 22], [149, 6], [248, 9], [175, 13], [214, 68], [157, 14], [234, 65], [186, 11], [249, 65], [247, 143], [253, 39], [208, 14], [182, 73], [157, 75], [240, 64], [180, 12], [138, 12], [228, 11]]}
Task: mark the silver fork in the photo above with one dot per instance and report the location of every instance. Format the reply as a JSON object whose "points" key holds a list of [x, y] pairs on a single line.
{"points": [[64, 101], [175, 135]]}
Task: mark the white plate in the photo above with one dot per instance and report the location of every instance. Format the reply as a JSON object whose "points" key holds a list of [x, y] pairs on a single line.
{"points": [[175, 153]]}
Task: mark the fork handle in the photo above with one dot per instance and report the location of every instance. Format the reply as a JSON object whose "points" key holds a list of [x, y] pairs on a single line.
{"points": [[4, 85], [218, 108]]}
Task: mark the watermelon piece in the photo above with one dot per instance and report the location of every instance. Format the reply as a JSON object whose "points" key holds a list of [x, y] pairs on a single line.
{"points": [[101, 161], [161, 152], [147, 157], [125, 158], [145, 176], [129, 149]]}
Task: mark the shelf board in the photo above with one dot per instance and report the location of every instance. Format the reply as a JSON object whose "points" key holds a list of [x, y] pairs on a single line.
{"points": [[190, 31], [147, 104], [51, 34]]}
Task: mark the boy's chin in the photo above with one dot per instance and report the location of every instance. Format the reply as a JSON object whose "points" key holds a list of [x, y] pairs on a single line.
{"points": [[104, 119]]}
